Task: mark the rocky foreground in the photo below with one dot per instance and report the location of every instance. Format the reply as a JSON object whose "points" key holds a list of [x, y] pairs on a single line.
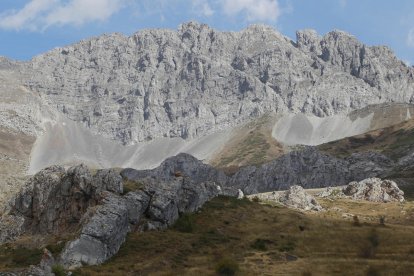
{"points": [[370, 189], [97, 210]]}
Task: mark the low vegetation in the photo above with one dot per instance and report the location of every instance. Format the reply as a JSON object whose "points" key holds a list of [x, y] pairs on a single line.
{"points": [[251, 145], [131, 185], [18, 256], [239, 237]]}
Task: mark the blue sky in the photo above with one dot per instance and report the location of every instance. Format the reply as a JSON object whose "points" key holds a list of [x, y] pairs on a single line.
{"points": [[30, 27]]}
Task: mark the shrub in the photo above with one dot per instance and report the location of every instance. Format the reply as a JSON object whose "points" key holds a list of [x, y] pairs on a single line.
{"points": [[131, 185], [22, 257], [227, 267], [382, 220], [259, 244], [56, 248], [185, 223], [58, 270], [369, 249], [372, 271], [356, 221], [255, 199], [288, 245]]}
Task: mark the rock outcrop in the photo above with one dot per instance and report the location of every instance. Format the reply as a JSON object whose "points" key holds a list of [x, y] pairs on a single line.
{"points": [[309, 168], [295, 197], [370, 189], [59, 202], [374, 189]]}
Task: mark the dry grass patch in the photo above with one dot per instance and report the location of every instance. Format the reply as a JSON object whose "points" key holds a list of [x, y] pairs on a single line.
{"points": [[255, 239]]}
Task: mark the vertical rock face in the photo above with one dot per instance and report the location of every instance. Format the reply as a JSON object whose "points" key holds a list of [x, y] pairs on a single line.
{"points": [[190, 82], [54, 200]]}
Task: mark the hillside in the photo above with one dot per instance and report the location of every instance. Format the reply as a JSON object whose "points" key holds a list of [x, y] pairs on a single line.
{"points": [[268, 240]]}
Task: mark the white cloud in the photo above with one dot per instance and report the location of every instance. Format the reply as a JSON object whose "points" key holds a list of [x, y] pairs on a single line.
{"points": [[41, 14], [256, 10], [24, 18], [343, 3], [410, 38], [202, 7], [78, 12]]}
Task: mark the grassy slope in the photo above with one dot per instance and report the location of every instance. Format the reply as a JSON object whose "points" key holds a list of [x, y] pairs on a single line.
{"points": [[394, 141], [260, 240], [252, 144]]}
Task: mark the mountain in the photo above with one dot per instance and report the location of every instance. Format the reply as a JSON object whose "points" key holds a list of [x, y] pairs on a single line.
{"points": [[228, 98]]}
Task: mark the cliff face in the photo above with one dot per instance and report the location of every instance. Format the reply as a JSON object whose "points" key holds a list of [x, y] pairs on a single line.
{"points": [[190, 82]]}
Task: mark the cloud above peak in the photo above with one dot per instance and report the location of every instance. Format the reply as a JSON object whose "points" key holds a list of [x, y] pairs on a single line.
{"points": [[41, 14], [255, 10]]}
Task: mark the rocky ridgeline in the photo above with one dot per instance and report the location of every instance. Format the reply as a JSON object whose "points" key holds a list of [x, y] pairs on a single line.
{"points": [[190, 82], [62, 202], [370, 189], [311, 168]]}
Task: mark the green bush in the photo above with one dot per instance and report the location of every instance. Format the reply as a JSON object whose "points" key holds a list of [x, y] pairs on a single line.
{"points": [[356, 221], [131, 185], [58, 270], [260, 244], [185, 223], [368, 250], [227, 267], [56, 248], [287, 246], [22, 257]]}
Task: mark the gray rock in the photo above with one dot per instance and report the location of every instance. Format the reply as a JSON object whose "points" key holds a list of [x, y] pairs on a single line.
{"points": [[295, 197], [137, 203], [11, 227], [181, 165], [108, 180], [310, 168], [175, 79], [54, 199], [170, 199], [374, 189], [331, 192], [101, 236]]}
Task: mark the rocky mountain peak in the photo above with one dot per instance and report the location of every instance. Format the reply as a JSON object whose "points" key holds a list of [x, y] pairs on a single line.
{"points": [[196, 80]]}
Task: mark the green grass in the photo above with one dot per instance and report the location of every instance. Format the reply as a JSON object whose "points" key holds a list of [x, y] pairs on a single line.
{"points": [[185, 224], [58, 270], [18, 257]]}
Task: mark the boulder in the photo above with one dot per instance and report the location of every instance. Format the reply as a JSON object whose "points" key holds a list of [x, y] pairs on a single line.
{"points": [[295, 197], [101, 236], [374, 189]]}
